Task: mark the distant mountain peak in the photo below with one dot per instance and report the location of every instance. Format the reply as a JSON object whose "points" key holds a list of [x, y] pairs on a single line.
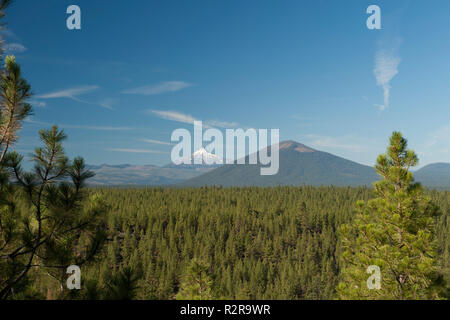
{"points": [[439, 165], [290, 144], [200, 151], [205, 157]]}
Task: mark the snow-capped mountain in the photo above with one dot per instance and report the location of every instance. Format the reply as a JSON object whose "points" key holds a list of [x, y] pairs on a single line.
{"points": [[200, 159], [201, 156]]}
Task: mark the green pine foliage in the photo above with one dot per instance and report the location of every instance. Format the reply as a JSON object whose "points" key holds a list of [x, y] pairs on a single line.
{"points": [[196, 283], [48, 220], [14, 93], [395, 231], [257, 243]]}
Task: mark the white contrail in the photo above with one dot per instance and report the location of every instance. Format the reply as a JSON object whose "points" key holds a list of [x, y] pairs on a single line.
{"points": [[386, 68], [168, 86]]}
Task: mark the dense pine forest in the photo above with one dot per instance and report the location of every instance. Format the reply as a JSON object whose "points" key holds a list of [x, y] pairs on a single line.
{"points": [[254, 243]]}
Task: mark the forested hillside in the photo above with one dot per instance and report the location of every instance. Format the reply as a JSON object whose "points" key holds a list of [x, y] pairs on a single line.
{"points": [[436, 175], [257, 243]]}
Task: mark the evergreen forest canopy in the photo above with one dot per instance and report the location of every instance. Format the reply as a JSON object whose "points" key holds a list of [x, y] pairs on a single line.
{"points": [[251, 243]]}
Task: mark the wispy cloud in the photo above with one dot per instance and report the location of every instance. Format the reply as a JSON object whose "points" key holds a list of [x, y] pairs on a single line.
{"points": [[439, 139], [103, 128], [38, 103], [173, 116], [168, 86], [78, 126], [185, 118], [107, 103], [343, 143], [14, 44], [386, 68], [356, 148], [156, 142], [74, 93], [9, 34], [300, 117], [135, 150], [221, 124], [70, 93], [15, 48], [435, 147]]}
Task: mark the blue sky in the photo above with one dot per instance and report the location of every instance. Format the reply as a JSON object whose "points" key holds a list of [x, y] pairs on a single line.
{"points": [[136, 71]]}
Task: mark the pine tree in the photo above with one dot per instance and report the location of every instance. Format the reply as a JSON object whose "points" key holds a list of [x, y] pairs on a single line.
{"points": [[123, 285], [197, 283], [394, 231], [14, 92], [48, 221], [4, 4]]}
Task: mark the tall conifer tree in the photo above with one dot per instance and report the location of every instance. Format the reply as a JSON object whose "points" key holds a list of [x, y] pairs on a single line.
{"points": [[196, 284], [394, 231]]}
